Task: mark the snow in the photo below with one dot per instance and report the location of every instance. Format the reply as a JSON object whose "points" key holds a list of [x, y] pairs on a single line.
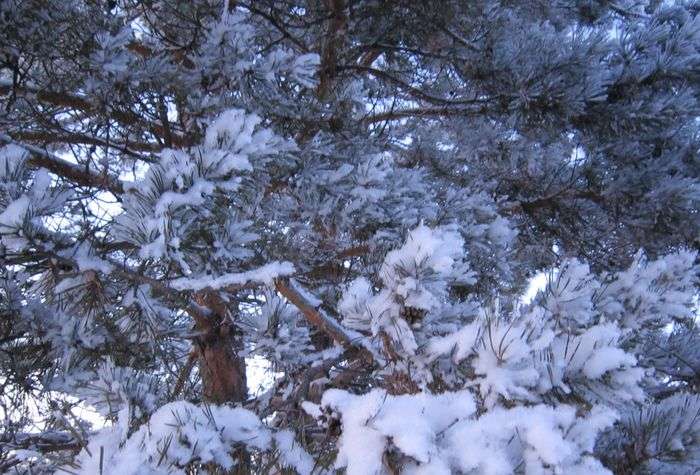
{"points": [[507, 357], [443, 434], [368, 182], [353, 304], [293, 455], [459, 345], [607, 359], [424, 248], [88, 261], [234, 131], [414, 276], [670, 428], [176, 434], [417, 271], [410, 422], [276, 333], [12, 157], [510, 377], [595, 355], [178, 193], [41, 182], [501, 232], [310, 298], [264, 275], [180, 433], [535, 285], [314, 410], [14, 214], [69, 283], [194, 196], [333, 176], [569, 293], [652, 293], [304, 68], [544, 139], [386, 318], [537, 436], [300, 68]]}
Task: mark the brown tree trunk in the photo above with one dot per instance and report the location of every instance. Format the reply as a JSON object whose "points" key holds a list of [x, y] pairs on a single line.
{"points": [[221, 368], [329, 50]]}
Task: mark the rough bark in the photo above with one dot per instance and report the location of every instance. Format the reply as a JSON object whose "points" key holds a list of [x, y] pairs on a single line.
{"points": [[222, 369]]}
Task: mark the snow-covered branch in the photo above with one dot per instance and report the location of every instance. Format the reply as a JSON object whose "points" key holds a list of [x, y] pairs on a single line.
{"points": [[82, 176]]}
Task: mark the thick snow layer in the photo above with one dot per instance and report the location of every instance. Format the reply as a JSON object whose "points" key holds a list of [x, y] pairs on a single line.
{"points": [[11, 158], [569, 293], [176, 194], [265, 274], [525, 358], [14, 214], [443, 434], [411, 423], [410, 271], [86, 260], [234, 131], [415, 277], [180, 433], [652, 293], [458, 345], [292, 454]]}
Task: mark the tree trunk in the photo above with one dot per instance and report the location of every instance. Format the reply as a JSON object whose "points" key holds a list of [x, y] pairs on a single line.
{"points": [[221, 368]]}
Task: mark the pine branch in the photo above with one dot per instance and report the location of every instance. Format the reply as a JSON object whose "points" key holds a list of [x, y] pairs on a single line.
{"points": [[71, 101], [50, 441], [421, 113], [75, 173], [184, 375], [49, 136], [413, 91], [318, 318]]}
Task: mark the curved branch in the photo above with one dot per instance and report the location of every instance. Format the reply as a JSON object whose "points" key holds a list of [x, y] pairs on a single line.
{"points": [[40, 158], [408, 88], [71, 101], [319, 318]]}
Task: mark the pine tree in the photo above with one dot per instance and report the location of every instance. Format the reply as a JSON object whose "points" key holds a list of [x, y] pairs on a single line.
{"points": [[354, 196]]}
